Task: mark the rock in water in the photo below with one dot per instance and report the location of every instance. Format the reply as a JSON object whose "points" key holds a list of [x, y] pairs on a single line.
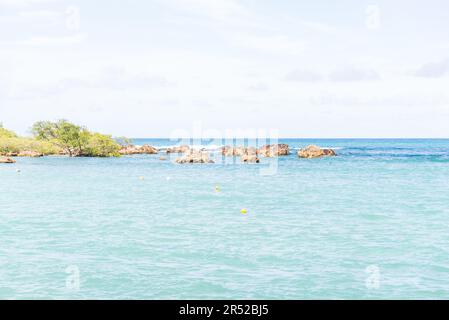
{"points": [[180, 149], [313, 151], [145, 149], [6, 160], [32, 154], [238, 151], [228, 151], [274, 150], [195, 157], [250, 158], [128, 150]]}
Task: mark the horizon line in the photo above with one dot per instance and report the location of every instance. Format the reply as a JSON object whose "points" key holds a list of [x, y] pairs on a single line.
{"points": [[291, 138]]}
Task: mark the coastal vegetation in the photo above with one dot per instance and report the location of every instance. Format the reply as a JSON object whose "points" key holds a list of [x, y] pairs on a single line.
{"points": [[12, 145], [75, 140], [60, 137]]}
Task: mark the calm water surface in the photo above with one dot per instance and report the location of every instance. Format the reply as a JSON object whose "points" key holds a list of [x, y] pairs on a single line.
{"points": [[370, 223]]}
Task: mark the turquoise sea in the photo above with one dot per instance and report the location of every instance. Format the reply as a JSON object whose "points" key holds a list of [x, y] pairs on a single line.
{"points": [[372, 223]]}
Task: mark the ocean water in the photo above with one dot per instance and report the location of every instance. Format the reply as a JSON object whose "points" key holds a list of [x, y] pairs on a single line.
{"points": [[372, 223]]}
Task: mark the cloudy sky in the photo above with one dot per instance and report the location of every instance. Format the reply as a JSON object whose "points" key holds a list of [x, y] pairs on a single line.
{"points": [[145, 68]]}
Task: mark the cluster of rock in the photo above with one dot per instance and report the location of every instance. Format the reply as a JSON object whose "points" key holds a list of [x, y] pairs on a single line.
{"points": [[195, 156], [246, 154], [131, 149], [270, 150], [250, 154], [313, 151], [6, 160], [238, 151], [178, 149], [274, 150]]}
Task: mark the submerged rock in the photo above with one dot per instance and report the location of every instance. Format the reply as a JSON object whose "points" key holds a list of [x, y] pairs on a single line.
{"points": [[195, 157], [274, 150], [249, 158], [6, 160], [313, 151], [145, 149]]}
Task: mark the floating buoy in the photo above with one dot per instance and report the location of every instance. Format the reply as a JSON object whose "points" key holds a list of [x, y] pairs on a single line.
{"points": [[142, 178], [243, 211], [217, 189], [18, 170]]}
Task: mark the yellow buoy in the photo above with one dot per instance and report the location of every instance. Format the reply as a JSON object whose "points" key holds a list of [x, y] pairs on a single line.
{"points": [[142, 178], [217, 189], [243, 211]]}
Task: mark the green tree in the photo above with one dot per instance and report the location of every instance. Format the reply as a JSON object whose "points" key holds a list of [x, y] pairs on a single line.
{"points": [[68, 136], [75, 140], [4, 133], [101, 145]]}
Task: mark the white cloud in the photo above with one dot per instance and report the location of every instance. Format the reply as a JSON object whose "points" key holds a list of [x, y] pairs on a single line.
{"points": [[45, 14], [260, 86], [434, 69], [34, 17], [217, 9], [23, 3], [303, 75], [352, 73], [318, 26], [273, 44], [110, 78], [48, 40]]}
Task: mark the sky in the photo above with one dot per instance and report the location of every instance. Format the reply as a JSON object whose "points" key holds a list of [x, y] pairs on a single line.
{"points": [[149, 68]]}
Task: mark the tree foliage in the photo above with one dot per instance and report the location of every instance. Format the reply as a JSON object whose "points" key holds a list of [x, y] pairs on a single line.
{"points": [[75, 140], [4, 133], [11, 143], [100, 145]]}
